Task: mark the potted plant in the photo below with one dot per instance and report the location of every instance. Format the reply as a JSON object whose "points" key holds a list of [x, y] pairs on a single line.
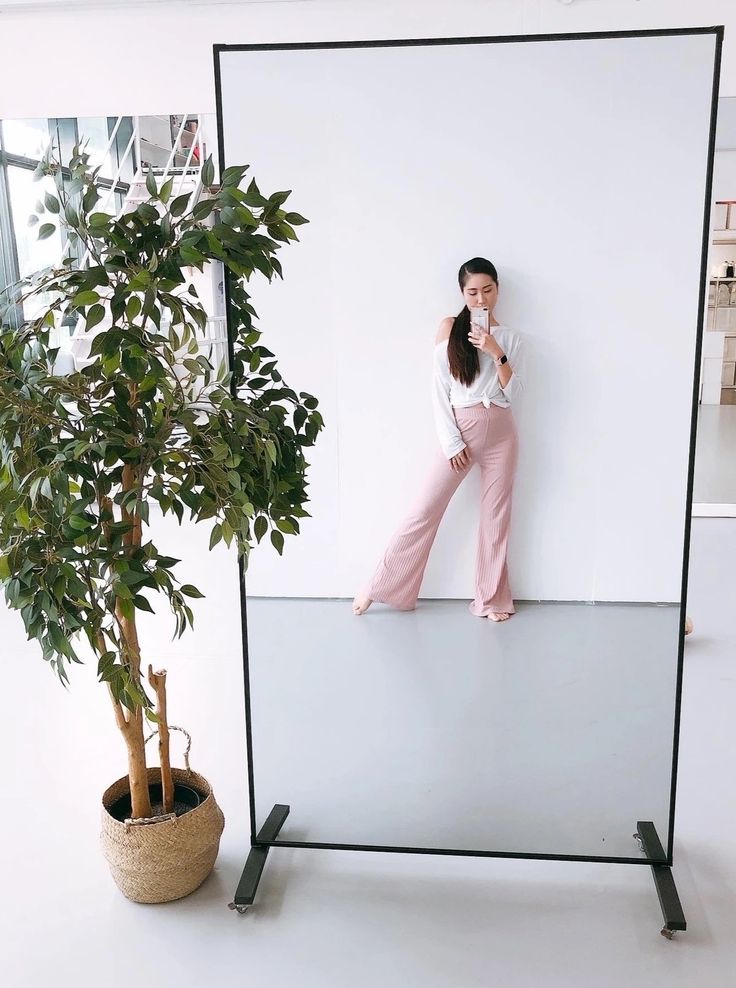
{"points": [[83, 453]]}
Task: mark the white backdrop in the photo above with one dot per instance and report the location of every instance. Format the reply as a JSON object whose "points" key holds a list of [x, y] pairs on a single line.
{"points": [[578, 167]]}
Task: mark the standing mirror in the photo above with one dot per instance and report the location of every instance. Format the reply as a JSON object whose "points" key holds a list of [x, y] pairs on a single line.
{"points": [[580, 167]]}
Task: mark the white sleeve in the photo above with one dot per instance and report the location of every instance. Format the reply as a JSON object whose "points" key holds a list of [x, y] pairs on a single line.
{"points": [[447, 431], [516, 359]]}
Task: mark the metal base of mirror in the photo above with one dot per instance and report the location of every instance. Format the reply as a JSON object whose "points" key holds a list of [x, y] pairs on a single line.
{"points": [[669, 900], [248, 884], [646, 835]]}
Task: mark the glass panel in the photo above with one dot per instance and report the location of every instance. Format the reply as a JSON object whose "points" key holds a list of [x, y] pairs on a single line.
{"points": [[33, 253], [422, 722], [28, 138], [95, 132], [122, 139]]}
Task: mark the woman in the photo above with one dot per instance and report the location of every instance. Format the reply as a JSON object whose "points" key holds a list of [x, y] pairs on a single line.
{"points": [[476, 380]]}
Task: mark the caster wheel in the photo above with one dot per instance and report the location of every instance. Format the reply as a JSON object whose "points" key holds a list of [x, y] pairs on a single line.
{"points": [[238, 909], [667, 933]]}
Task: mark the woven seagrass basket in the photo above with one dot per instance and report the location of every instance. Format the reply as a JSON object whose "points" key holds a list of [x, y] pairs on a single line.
{"points": [[166, 859]]}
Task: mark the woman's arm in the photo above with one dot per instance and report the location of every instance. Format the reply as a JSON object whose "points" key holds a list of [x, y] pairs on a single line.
{"points": [[509, 376], [447, 431]]}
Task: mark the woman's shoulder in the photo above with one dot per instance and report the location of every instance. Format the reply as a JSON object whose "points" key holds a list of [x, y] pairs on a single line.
{"points": [[445, 328]]}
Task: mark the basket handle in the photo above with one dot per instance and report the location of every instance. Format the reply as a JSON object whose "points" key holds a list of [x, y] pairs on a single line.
{"points": [[187, 735]]}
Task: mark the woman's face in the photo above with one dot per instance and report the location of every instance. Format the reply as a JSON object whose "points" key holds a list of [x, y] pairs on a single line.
{"points": [[480, 289]]}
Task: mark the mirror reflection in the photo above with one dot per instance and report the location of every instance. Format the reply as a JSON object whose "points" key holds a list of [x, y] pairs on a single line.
{"points": [[473, 642]]}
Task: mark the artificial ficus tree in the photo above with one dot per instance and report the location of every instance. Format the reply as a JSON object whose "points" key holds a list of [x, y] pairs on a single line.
{"points": [[149, 417]]}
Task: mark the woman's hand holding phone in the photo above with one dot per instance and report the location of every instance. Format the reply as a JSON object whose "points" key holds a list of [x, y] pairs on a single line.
{"points": [[480, 335], [485, 342]]}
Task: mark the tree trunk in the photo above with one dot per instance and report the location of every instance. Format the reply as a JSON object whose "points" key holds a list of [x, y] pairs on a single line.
{"points": [[131, 727], [137, 774], [130, 722], [158, 681]]}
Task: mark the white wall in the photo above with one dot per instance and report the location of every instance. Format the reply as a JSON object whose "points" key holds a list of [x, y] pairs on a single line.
{"points": [[131, 60], [157, 57], [86, 59], [556, 188]]}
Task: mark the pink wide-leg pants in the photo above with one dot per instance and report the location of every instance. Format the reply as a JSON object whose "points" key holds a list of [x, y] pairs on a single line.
{"points": [[492, 441]]}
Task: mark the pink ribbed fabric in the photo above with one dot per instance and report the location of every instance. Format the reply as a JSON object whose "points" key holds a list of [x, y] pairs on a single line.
{"points": [[492, 440]]}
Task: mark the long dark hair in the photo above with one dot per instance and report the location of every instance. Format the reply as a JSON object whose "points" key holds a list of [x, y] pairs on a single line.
{"points": [[461, 354]]}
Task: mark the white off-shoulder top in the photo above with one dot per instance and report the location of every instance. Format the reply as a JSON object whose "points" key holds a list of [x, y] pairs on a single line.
{"points": [[449, 393]]}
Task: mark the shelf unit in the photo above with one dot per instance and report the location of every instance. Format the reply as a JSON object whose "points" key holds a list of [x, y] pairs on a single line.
{"points": [[722, 319]]}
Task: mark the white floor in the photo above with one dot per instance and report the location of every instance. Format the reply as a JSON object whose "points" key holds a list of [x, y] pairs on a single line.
{"points": [[715, 455], [337, 918]]}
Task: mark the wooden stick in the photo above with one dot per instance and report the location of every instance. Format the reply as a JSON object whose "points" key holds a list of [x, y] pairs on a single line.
{"points": [[158, 682]]}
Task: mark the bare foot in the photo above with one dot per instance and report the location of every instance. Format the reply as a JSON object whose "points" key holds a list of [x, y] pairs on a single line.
{"points": [[361, 604], [688, 626], [498, 616]]}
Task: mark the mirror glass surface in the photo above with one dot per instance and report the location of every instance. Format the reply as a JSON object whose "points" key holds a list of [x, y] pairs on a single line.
{"points": [[578, 167]]}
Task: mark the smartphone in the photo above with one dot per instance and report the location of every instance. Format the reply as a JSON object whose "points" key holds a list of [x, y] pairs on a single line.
{"points": [[479, 319]]}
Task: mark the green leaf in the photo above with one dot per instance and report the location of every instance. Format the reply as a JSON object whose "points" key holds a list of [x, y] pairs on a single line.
{"points": [[142, 603], [98, 220], [147, 212], [284, 525], [179, 205], [95, 315], [208, 172], [85, 298], [127, 608], [133, 308], [166, 562], [46, 230], [189, 591], [203, 209], [151, 183], [261, 527], [295, 219], [233, 175], [278, 541], [190, 256], [216, 535], [78, 524], [279, 197], [165, 191], [140, 280], [51, 202], [90, 198], [4, 568], [59, 641], [104, 664]]}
